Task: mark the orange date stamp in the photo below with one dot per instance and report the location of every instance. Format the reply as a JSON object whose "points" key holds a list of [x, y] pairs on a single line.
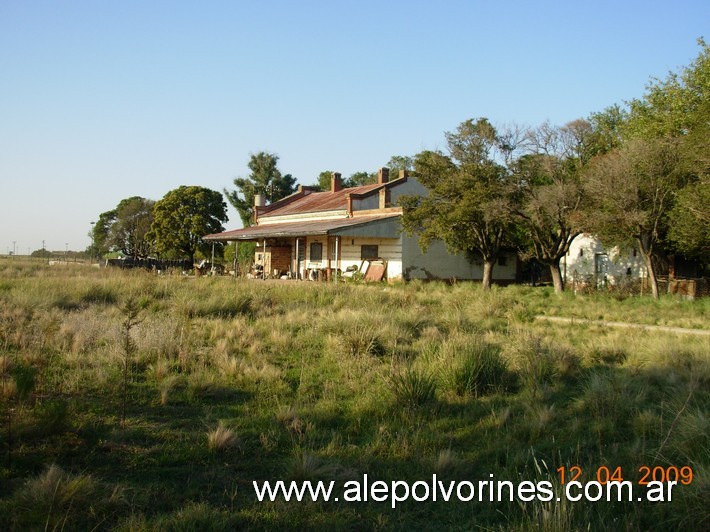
{"points": [[643, 474]]}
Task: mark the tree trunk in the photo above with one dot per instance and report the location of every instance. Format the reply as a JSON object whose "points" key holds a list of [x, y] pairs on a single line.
{"points": [[556, 276], [487, 273], [653, 281], [647, 252]]}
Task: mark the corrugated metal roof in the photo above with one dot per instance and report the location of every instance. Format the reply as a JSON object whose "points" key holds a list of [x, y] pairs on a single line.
{"points": [[318, 202], [316, 227]]}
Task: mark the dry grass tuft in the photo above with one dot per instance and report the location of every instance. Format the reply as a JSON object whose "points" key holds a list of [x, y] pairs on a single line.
{"points": [[222, 439]]}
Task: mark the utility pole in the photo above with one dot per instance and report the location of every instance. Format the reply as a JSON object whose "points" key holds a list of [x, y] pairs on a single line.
{"points": [[14, 242]]}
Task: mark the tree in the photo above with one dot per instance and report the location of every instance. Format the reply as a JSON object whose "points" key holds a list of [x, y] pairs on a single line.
{"points": [[124, 228], [323, 182], [675, 106], [631, 192], [398, 163], [183, 217], [359, 179], [664, 149], [265, 179], [548, 194], [100, 232], [690, 221], [467, 205], [128, 232]]}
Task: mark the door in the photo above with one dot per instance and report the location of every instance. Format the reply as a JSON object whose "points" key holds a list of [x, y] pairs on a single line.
{"points": [[601, 269]]}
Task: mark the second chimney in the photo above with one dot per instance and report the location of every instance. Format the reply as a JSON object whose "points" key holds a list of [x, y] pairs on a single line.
{"points": [[336, 182], [383, 175]]}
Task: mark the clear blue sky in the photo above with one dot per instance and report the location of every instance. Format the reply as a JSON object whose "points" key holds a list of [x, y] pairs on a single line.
{"points": [[103, 100]]}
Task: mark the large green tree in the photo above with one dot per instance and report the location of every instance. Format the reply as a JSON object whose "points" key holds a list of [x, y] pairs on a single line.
{"points": [[100, 233], [124, 228], [467, 201], [128, 232], [183, 217], [650, 187], [265, 179], [631, 190]]}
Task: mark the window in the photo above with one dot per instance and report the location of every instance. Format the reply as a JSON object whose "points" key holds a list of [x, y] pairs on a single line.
{"points": [[502, 260], [369, 251], [316, 254]]}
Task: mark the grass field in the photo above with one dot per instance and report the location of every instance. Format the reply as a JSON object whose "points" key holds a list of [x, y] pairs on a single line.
{"points": [[139, 402]]}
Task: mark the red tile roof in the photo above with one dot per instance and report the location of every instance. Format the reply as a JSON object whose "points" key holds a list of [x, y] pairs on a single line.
{"points": [[316, 202]]}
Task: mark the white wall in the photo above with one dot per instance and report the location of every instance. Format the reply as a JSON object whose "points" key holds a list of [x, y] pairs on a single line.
{"points": [[586, 252], [389, 249], [438, 263]]}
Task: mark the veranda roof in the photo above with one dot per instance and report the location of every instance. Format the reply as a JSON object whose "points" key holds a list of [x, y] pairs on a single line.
{"points": [[382, 226]]}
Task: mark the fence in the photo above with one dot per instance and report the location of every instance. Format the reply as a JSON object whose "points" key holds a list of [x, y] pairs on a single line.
{"points": [[624, 285], [151, 264]]}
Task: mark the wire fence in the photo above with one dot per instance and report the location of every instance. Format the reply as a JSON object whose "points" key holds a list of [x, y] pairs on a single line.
{"points": [[623, 285]]}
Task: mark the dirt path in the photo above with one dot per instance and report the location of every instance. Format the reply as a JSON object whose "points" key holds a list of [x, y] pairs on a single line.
{"points": [[621, 324]]}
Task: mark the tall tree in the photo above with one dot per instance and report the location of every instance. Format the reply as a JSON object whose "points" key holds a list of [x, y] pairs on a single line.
{"points": [[548, 192], [665, 148], [467, 204], [265, 179], [132, 222], [323, 181], [689, 231], [631, 191], [124, 228], [100, 233], [183, 217], [397, 163]]}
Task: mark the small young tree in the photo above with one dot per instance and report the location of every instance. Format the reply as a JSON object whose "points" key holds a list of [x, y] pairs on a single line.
{"points": [[130, 310]]}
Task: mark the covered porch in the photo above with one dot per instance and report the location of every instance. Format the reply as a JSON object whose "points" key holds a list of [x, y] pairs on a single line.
{"points": [[320, 249]]}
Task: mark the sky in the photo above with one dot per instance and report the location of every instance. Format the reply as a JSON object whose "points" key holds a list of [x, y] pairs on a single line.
{"points": [[104, 100]]}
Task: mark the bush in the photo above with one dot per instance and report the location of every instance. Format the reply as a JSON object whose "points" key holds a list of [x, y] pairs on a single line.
{"points": [[413, 388], [58, 500], [481, 371]]}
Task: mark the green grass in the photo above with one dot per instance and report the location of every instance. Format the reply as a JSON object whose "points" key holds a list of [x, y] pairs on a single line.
{"points": [[228, 382]]}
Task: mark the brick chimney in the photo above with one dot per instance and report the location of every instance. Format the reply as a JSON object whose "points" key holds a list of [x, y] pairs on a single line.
{"points": [[383, 175], [336, 182]]}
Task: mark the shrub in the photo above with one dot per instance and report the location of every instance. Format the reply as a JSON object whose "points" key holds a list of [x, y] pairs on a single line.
{"points": [[361, 340], [99, 294], [24, 377], [58, 500], [222, 438], [413, 388], [307, 466], [481, 371], [53, 416]]}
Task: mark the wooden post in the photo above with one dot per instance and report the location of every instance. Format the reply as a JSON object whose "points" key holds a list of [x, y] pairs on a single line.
{"points": [[298, 262]]}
